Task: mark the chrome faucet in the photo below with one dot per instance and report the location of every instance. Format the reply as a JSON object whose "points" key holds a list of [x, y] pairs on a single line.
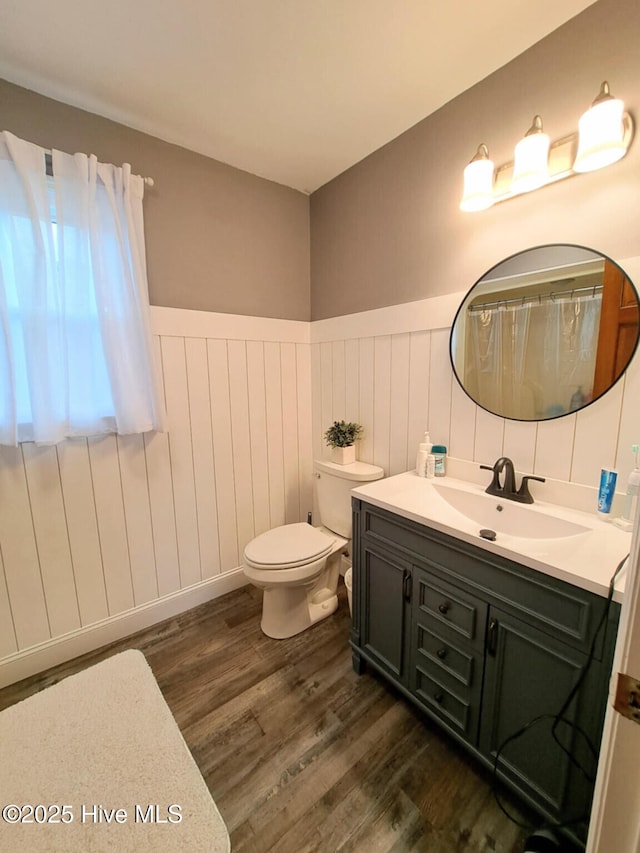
{"points": [[507, 488]]}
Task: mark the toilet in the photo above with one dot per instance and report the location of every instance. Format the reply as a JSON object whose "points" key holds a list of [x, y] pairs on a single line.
{"points": [[297, 565]]}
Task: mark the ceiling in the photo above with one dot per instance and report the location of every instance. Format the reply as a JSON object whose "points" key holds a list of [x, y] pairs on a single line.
{"points": [[295, 91]]}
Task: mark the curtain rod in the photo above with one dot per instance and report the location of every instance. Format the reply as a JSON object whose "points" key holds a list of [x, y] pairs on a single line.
{"points": [[593, 290], [149, 182]]}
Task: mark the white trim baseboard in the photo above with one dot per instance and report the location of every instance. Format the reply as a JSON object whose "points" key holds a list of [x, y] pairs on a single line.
{"points": [[60, 649]]}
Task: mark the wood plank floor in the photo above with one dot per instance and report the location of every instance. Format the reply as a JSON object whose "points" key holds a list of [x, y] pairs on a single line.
{"points": [[300, 753]]}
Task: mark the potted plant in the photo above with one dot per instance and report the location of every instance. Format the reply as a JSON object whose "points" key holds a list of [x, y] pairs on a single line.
{"points": [[341, 438]]}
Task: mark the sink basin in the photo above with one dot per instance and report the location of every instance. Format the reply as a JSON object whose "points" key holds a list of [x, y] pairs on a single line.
{"points": [[569, 544], [508, 517]]}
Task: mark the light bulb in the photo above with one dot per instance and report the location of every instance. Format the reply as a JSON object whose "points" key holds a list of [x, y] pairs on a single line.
{"points": [[478, 182], [531, 155], [601, 133]]}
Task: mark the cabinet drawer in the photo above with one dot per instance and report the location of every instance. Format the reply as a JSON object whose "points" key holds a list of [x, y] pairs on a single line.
{"points": [[438, 654], [451, 609], [455, 710]]}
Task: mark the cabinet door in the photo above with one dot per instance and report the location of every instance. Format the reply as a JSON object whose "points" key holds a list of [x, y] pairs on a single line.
{"points": [[529, 675], [386, 589]]}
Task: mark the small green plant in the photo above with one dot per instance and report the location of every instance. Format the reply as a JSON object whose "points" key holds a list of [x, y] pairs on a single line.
{"points": [[343, 434]]}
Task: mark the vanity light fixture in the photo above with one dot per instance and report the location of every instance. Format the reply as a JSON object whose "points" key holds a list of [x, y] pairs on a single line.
{"points": [[604, 135], [530, 169]]}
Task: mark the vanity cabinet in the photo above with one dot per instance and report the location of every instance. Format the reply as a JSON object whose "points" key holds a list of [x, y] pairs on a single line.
{"points": [[487, 648]]}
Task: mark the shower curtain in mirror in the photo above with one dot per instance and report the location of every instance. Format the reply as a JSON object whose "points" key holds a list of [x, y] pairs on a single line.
{"points": [[536, 359]]}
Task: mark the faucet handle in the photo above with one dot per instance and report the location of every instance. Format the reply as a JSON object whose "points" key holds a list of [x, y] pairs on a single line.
{"points": [[524, 495], [494, 487]]}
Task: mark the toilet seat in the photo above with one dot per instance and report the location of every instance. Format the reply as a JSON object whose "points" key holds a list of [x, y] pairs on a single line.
{"points": [[287, 547]]}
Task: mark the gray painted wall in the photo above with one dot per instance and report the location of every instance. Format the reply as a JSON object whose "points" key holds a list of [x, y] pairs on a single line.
{"points": [[218, 239], [389, 230]]}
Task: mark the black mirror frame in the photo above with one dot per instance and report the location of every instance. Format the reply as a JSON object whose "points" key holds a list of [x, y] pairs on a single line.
{"points": [[490, 270]]}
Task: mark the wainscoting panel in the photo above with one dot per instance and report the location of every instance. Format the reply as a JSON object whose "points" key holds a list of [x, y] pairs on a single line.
{"points": [[418, 417], [274, 432], [290, 438], [366, 401], [397, 384], [259, 453], [382, 402], [82, 526], [399, 406], [440, 389], [176, 390], [97, 535], [8, 643], [241, 441], [112, 526], [204, 474], [464, 413], [52, 542], [20, 552], [223, 453], [137, 511], [100, 535], [303, 396], [520, 443]]}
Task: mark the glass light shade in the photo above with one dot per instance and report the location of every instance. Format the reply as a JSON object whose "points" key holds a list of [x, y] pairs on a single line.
{"points": [[478, 185], [601, 136], [530, 169]]}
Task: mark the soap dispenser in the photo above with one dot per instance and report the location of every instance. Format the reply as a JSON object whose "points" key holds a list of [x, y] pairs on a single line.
{"points": [[631, 499], [424, 449]]}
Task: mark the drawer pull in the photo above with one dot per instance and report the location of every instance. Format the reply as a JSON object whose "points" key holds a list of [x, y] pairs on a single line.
{"points": [[442, 653], [444, 608], [439, 697]]}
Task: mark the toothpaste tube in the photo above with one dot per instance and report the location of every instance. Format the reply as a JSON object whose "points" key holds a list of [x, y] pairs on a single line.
{"points": [[607, 489]]}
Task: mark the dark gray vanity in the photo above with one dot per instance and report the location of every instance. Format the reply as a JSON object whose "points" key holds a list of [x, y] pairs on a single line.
{"points": [[484, 645]]}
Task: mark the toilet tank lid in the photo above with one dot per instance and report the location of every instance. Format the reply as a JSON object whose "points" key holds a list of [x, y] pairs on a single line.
{"points": [[358, 471]]}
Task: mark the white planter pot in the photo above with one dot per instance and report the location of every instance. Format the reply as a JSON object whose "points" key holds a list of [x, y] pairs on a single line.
{"points": [[343, 455]]}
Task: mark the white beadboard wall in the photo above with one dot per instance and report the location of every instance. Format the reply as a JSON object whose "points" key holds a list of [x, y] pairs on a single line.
{"points": [[101, 537], [389, 369]]}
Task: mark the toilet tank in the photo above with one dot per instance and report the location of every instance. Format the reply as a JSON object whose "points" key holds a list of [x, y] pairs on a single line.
{"points": [[333, 484]]}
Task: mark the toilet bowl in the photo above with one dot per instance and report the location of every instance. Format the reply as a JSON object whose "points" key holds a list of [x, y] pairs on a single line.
{"points": [[296, 565], [297, 568]]}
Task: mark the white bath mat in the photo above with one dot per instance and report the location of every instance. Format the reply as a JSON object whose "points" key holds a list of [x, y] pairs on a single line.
{"points": [[97, 763]]}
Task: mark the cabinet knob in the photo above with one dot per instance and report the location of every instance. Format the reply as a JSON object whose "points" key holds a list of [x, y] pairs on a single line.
{"points": [[439, 697], [444, 608], [442, 653]]}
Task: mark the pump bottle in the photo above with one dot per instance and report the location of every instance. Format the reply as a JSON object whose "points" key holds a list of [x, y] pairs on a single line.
{"points": [[424, 449]]}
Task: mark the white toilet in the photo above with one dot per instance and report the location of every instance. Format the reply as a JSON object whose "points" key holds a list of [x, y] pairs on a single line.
{"points": [[297, 565]]}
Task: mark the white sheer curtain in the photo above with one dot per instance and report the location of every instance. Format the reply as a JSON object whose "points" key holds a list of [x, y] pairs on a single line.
{"points": [[75, 343]]}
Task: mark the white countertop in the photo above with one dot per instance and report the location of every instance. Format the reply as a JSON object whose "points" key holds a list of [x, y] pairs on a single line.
{"points": [[587, 558]]}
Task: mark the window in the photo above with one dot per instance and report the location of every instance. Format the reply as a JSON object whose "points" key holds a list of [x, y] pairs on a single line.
{"points": [[75, 355]]}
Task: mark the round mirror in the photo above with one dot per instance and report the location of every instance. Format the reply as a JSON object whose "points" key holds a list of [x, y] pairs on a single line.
{"points": [[545, 332]]}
